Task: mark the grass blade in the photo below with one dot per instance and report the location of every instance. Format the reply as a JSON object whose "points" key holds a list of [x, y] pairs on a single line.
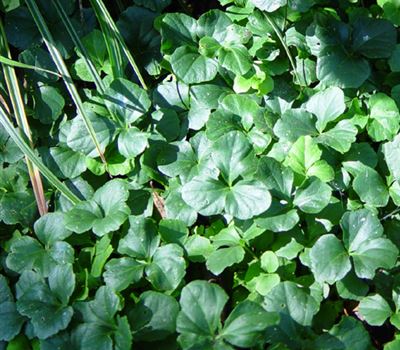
{"points": [[22, 121], [30, 154], [99, 6], [62, 68], [101, 88], [78, 43], [113, 48], [9, 62]]}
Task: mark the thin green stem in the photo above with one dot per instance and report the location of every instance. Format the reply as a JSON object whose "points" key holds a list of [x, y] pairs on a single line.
{"points": [[22, 121], [281, 39], [113, 48], [115, 31], [397, 210], [62, 68], [101, 88], [120, 5], [78, 43], [30, 154], [9, 62]]}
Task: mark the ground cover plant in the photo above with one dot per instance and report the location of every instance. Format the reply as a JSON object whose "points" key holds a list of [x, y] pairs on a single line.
{"points": [[199, 175]]}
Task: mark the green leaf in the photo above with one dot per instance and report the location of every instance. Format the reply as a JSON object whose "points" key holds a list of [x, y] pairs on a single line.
{"points": [[351, 287], [62, 282], [326, 105], [180, 159], [305, 71], [340, 137], [247, 199], [243, 106], [246, 324], [342, 70], [394, 59], [374, 38], [362, 237], [40, 58], [375, 309], [126, 100], [390, 9], [201, 307], [167, 268], [26, 253], [49, 104], [277, 178], [384, 117], [214, 24], [294, 123], [322, 170], [136, 25], [177, 29], [142, 239], [290, 250], [9, 5], [370, 187], [50, 228], [21, 29], [176, 207], [278, 223], [132, 142], [329, 260], [78, 138], [269, 261], [17, 207], [391, 151], [235, 58], [154, 316], [106, 212], [313, 197], [64, 162], [99, 322], [243, 200], [268, 5], [198, 248], [291, 301], [11, 320], [349, 333], [191, 67], [120, 273], [222, 258], [221, 123], [303, 155], [173, 231], [206, 195], [39, 303], [96, 49]]}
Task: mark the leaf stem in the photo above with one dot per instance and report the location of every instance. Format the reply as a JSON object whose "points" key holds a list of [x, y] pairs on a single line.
{"points": [[282, 40], [397, 210]]}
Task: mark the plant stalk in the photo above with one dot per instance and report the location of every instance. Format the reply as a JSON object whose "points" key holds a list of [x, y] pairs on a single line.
{"points": [[282, 40], [22, 121], [62, 68], [98, 4], [30, 154]]}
